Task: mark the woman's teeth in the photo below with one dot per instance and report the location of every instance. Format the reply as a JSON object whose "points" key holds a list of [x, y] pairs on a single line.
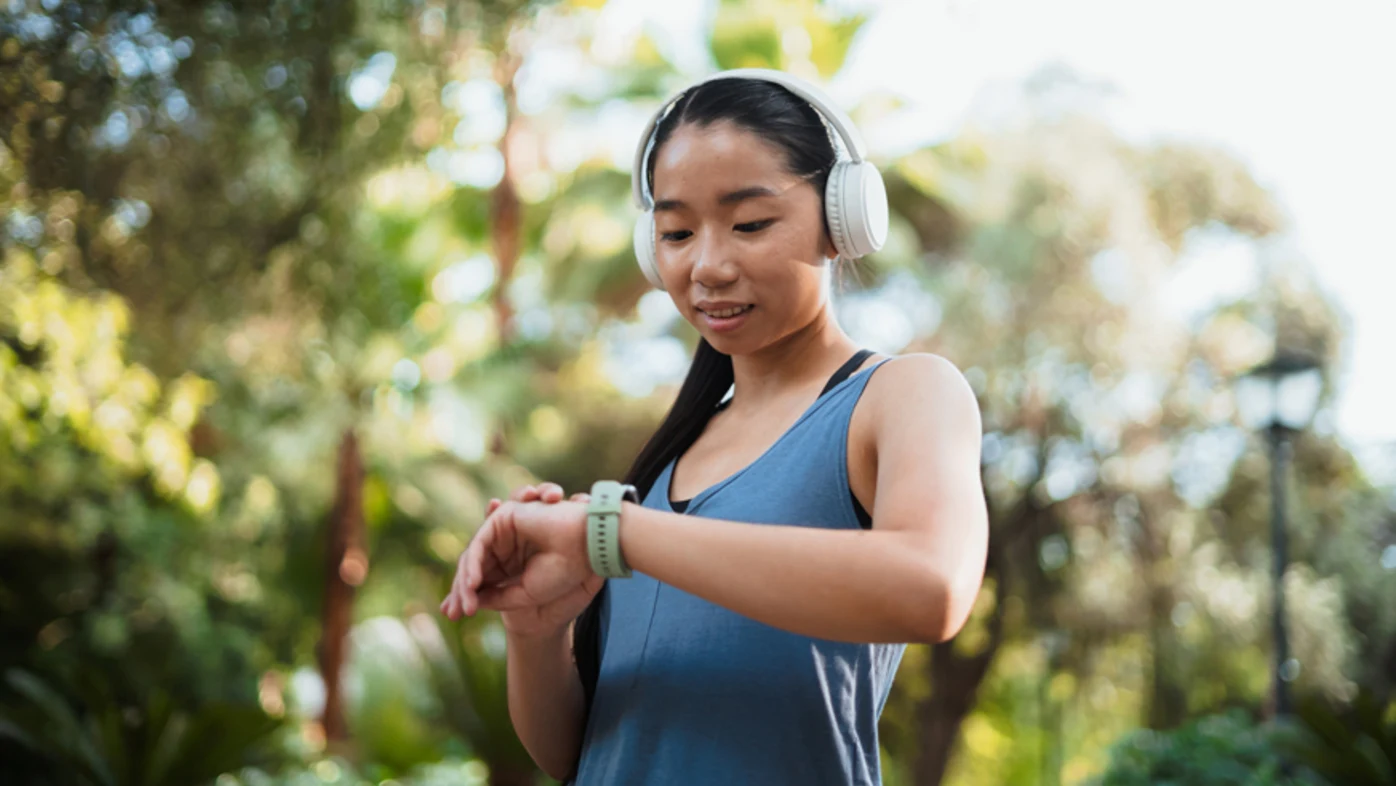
{"points": [[729, 312]]}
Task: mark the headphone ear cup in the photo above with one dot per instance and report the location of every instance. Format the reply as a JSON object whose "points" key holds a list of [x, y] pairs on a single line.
{"points": [[855, 205], [644, 249], [834, 213]]}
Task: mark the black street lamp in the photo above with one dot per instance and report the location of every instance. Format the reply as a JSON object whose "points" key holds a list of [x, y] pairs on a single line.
{"points": [[1279, 399]]}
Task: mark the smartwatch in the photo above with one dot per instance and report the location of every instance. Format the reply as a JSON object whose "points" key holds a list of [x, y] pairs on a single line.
{"points": [[603, 528]]}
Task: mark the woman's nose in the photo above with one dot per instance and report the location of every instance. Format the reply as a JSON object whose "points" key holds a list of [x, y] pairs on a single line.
{"points": [[713, 264]]}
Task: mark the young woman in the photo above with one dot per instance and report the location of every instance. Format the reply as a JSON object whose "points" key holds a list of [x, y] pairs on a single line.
{"points": [[790, 539]]}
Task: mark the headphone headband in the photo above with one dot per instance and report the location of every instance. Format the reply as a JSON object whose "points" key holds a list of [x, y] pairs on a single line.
{"points": [[835, 117]]}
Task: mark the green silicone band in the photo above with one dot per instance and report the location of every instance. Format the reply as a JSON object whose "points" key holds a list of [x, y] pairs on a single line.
{"points": [[603, 528]]}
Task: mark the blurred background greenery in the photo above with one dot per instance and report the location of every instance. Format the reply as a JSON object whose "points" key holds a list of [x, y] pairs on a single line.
{"points": [[291, 288]]}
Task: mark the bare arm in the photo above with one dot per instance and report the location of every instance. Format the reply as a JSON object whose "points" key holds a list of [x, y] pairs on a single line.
{"points": [[546, 702], [913, 577]]}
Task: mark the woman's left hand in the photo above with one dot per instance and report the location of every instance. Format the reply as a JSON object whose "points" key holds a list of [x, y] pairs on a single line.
{"points": [[526, 554]]}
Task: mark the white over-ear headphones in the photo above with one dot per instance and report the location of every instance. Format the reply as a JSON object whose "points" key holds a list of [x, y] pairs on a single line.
{"points": [[855, 201]]}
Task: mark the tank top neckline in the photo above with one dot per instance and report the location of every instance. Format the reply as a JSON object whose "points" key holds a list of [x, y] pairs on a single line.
{"points": [[833, 384]]}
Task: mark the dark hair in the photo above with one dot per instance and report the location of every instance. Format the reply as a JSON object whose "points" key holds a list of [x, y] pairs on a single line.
{"points": [[791, 124], [764, 108]]}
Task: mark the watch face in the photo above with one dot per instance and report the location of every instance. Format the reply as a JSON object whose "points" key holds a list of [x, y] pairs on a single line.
{"points": [[629, 492]]}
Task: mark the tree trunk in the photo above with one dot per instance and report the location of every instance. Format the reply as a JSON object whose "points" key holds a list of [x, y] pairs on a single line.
{"points": [[1167, 707], [346, 565], [1167, 699], [506, 212]]}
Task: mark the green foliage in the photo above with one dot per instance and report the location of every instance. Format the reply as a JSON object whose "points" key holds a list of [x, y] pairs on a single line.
{"points": [[1219, 750], [468, 677], [794, 35], [745, 38], [102, 741], [1351, 747], [338, 771], [217, 264]]}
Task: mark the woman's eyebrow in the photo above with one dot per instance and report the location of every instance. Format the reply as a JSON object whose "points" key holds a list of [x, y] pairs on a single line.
{"points": [[744, 194], [740, 195]]}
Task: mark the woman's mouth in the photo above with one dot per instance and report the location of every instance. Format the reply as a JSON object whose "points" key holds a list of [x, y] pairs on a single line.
{"points": [[726, 319]]}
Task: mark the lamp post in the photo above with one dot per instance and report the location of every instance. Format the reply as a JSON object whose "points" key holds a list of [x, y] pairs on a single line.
{"points": [[1279, 399]]}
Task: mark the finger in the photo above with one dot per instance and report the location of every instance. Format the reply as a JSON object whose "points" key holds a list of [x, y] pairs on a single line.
{"points": [[492, 570], [550, 492], [470, 562], [471, 557], [446, 603], [523, 494], [504, 555], [497, 555], [462, 570], [448, 606], [462, 563], [489, 552], [453, 598], [580, 496], [457, 587]]}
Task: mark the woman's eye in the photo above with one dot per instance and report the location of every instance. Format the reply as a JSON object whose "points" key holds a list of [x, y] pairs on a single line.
{"points": [[754, 226], [675, 236]]}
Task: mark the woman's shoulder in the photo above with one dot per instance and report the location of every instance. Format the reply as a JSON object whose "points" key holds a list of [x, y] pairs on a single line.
{"points": [[913, 401], [915, 378], [916, 370]]}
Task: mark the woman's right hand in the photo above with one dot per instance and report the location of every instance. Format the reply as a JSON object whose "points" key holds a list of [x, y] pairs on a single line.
{"points": [[550, 618]]}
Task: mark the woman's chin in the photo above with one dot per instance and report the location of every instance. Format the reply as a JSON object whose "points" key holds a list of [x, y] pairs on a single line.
{"points": [[726, 344]]}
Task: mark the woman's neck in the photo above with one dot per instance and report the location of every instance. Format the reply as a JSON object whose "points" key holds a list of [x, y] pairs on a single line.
{"points": [[804, 359]]}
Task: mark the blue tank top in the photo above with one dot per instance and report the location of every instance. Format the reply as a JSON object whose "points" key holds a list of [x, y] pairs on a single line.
{"points": [[691, 693]]}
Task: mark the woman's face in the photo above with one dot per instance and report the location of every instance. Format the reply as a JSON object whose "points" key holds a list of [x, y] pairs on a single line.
{"points": [[735, 230]]}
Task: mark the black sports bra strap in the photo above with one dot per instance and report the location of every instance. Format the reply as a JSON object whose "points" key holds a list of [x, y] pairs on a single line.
{"points": [[847, 369], [844, 372]]}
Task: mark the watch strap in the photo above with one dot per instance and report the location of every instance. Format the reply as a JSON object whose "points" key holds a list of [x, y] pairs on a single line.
{"points": [[603, 528]]}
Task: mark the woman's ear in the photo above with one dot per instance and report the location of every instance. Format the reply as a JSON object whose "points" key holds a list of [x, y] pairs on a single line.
{"points": [[827, 250]]}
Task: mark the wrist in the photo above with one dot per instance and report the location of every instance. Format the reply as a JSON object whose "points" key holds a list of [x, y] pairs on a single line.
{"points": [[630, 514], [642, 529], [537, 639]]}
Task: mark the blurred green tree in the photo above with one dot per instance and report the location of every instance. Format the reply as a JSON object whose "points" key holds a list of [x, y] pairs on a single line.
{"points": [[1223, 749], [293, 284]]}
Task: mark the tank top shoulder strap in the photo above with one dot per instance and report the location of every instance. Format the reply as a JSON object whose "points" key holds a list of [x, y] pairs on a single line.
{"points": [[844, 372], [847, 369]]}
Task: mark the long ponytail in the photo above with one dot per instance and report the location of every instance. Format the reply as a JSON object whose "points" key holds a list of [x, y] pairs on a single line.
{"points": [[709, 378]]}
